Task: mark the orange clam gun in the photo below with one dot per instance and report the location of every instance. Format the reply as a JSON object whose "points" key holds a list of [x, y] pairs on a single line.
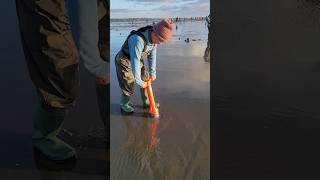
{"points": [[153, 110]]}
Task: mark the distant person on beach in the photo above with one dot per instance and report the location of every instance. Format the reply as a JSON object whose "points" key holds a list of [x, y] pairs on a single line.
{"points": [[140, 45], [207, 51], [53, 63]]}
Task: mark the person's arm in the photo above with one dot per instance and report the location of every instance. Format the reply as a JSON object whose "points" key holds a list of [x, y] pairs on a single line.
{"points": [[89, 38], [152, 61], [136, 46]]}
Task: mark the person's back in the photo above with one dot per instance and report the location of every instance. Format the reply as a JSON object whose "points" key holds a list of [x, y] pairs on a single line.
{"points": [[208, 21], [207, 51]]}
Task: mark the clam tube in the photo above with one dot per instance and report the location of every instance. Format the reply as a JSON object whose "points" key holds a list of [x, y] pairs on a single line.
{"points": [[153, 109]]}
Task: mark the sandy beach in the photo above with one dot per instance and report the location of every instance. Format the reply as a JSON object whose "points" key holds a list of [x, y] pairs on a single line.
{"points": [[176, 146], [266, 90], [84, 126]]}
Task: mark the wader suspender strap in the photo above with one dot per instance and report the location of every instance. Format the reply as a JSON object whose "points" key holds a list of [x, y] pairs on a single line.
{"points": [[139, 33]]}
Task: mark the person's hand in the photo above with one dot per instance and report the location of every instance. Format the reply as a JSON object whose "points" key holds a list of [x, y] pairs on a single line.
{"points": [[152, 78], [101, 81], [144, 85]]}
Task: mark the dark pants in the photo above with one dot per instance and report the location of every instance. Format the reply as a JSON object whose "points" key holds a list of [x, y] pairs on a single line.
{"points": [[103, 90], [207, 51], [125, 75], [103, 98], [50, 51]]}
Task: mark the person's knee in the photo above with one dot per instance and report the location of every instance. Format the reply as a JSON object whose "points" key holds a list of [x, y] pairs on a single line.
{"points": [[59, 98]]}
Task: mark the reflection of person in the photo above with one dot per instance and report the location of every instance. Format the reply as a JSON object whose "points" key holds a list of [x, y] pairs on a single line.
{"points": [[53, 63], [207, 51], [139, 46], [139, 155]]}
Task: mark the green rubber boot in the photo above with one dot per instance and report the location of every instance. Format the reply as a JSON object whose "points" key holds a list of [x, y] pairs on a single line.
{"points": [[47, 125], [144, 98], [125, 106], [103, 98]]}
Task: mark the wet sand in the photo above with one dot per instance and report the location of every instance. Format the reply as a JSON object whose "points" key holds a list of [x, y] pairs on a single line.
{"points": [[176, 146], [266, 90], [17, 158]]}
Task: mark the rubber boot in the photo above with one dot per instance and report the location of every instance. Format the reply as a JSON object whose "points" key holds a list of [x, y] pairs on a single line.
{"points": [[103, 99], [125, 106], [47, 125], [144, 98]]}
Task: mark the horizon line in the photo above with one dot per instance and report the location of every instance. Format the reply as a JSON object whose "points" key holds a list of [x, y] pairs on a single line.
{"points": [[156, 17]]}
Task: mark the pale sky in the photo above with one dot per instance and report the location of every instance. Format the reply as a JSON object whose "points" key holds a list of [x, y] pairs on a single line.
{"points": [[158, 8]]}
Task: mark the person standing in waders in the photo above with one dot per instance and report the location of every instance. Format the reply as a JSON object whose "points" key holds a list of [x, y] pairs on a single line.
{"points": [[140, 45], [207, 51], [53, 63]]}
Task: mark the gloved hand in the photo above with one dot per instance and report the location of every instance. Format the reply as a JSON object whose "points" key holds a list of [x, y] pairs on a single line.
{"points": [[144, 85], [152, 78]]}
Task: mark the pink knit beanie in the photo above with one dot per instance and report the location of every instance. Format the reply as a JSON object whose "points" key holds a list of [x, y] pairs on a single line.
{"points": [[163, 29]]}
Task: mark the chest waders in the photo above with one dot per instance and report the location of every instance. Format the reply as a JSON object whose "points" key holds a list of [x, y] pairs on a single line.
{"points": [[53, 64], [125, 72], [103, 86]]}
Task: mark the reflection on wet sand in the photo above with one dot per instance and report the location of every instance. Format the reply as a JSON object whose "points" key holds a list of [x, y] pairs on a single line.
{"points": [[44, 165], [92, 168], [139, 156]]}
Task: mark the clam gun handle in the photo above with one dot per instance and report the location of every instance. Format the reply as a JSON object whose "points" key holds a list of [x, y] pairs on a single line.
{"points": [[153, 108]]}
